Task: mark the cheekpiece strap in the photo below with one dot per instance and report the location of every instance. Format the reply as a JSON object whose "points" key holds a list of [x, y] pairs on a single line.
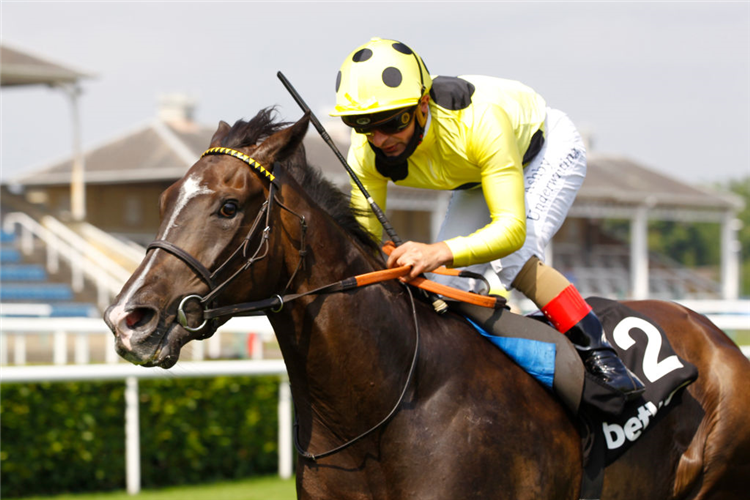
{"points": [[240, 156]]}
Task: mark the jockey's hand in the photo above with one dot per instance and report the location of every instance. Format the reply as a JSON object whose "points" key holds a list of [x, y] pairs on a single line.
{"points": [[422, 257]]}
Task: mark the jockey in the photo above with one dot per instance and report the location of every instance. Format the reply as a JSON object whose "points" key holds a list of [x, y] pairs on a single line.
{"points": [[513, 165]]}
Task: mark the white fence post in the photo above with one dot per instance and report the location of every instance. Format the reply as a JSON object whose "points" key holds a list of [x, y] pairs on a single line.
{"points": [[82, 355], [60, 349], [110, 354], [132, 437], [3, 348], [214, 346], [285, 429], [199, 350], [257, 346], [639, 254], [19, 350]]}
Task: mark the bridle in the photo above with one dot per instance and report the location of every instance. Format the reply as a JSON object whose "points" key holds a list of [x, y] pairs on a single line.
{"points": [[260, 253], [273, 304]]}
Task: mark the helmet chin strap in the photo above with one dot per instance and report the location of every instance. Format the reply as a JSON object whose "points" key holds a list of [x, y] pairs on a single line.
{"points": [[385, 163], [397, 167]]}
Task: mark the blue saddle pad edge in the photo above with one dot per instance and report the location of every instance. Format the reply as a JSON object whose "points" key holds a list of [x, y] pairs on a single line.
{"points": [[535, 357]]}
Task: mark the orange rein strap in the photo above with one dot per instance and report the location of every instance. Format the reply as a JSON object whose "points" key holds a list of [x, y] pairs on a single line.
{"points": [[452, 293], [276, 303], [425, 284]]}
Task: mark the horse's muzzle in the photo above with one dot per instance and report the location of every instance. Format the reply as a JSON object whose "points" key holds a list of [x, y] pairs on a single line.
{"points": [[142, 338]]}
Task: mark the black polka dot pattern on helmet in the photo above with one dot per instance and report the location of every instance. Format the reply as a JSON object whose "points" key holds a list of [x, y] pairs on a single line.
{"points": [[338, 81], [392, 77], [362, 55], [402, 48]]}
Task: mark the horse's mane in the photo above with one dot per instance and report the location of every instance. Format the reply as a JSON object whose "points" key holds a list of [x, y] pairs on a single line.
{"points": [[321, 190]]}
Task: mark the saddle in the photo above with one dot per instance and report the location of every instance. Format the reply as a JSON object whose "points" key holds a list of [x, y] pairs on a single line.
{"points": [[608, 425]]}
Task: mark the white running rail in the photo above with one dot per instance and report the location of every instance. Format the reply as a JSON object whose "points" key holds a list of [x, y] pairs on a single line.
{"points": [[17, 330]]}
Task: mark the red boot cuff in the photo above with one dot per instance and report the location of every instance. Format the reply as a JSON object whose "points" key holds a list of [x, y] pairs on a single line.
{"points": [[567, 309]]}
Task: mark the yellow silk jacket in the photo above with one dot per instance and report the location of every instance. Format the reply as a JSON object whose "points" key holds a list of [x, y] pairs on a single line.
{"points": [[481, 131]]}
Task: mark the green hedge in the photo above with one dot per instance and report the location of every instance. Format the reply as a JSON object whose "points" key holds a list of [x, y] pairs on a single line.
{"points": [[70, 437]]}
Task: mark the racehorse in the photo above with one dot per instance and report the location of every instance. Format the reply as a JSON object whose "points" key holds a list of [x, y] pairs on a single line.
{"points": [[394, 401]]}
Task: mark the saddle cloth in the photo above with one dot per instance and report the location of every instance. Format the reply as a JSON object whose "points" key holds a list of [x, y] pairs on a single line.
{"points": [[643, 347]]}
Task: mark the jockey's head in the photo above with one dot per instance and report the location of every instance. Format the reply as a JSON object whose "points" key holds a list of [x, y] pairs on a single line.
{"points": [[382, 91]]}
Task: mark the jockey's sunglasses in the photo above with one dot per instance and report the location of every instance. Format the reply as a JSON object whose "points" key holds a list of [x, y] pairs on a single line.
{"points": [[387, 122]]}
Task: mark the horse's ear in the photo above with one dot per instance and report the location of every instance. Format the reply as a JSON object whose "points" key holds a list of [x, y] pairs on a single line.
{"points": [[284, 143], [220, 133]]}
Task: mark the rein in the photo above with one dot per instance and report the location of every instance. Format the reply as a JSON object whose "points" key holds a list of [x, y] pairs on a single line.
{"points": [[277, 302]]}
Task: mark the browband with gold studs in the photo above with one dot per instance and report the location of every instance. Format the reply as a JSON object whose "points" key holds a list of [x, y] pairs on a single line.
{"points": [[240, 156]]}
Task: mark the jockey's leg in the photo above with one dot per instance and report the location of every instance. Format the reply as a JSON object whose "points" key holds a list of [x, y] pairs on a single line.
{"points": [[571, 315], [552, 180]]}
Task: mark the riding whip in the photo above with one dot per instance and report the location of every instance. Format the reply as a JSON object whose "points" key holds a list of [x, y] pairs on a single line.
{"points": [[327, 138]]}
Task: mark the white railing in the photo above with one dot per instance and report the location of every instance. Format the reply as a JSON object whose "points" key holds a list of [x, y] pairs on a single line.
{"points": [[83, 258], [14, 333], [90, 253], [131, 374], [124, 250], [725, 314], [18, 330]]}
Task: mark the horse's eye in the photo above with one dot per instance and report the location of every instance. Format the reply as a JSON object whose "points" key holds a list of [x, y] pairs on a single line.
{"points": [[229, 209]]}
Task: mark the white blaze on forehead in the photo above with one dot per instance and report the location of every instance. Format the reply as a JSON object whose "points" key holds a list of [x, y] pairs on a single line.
{"points": [[190, 189]]}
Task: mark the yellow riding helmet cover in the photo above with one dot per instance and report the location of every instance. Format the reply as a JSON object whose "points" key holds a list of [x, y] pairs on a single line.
{"points": [[379, 76]]}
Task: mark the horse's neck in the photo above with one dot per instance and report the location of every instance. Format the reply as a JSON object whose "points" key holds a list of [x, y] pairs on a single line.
{"points": [[331, 254], [335, 346]]}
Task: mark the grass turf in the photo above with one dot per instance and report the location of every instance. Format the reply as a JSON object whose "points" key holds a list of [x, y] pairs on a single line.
{"points": [[265, 488]]}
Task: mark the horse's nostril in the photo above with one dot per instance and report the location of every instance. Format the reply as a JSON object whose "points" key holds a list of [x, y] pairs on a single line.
{"points": [[138, 317]]}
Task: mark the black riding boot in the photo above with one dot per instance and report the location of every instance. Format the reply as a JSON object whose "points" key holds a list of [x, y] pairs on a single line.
{"points": [[600, 358]]}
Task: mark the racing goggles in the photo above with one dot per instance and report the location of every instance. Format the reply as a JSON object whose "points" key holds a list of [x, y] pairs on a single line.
{"points": [[386, 122]]}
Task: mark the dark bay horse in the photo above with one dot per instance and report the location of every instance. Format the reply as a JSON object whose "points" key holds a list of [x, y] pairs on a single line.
{"points": [[471, 423]]}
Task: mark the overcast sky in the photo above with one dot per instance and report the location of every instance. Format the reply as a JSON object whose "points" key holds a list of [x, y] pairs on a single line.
{"points": [[667, 84]]}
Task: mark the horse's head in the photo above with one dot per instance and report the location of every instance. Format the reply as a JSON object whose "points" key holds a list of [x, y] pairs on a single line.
{"points": [[213, 223]]}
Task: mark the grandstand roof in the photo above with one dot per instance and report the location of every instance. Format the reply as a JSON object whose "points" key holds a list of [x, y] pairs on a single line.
{"points": [[620, 180], [21, 68], [165, 149], [157, 150]]}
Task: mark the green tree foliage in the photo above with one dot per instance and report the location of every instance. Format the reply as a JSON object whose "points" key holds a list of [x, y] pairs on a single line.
{"points": [[689, 243], [70, 437]]}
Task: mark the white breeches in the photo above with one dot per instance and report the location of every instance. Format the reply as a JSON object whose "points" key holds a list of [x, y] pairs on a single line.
{"points": [[552, 180]]}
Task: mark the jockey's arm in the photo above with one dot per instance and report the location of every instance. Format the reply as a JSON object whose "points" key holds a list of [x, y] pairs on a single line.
{"points": [[493, 147]]}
